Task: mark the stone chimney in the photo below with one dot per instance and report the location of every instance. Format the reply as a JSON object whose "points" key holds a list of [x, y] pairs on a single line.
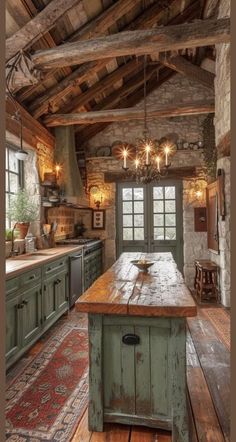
{"points": [[65, 155]]}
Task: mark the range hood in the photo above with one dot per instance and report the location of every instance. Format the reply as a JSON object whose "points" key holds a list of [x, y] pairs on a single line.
{"points": [[65, 155]]}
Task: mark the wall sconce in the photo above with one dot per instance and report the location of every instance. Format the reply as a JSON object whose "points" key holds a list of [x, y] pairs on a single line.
{"points": [[58, 169], [98, 201], [96, 193], [196, 192]]}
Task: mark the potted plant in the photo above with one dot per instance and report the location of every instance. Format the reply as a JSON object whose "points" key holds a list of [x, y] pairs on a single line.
{"points": [[22, 211]]}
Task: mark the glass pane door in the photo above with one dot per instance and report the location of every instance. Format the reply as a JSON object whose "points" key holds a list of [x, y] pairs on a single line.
{"points": [[131, 225]]}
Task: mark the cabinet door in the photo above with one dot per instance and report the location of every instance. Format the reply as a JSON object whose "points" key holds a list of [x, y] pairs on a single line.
{"points": [[13, 338], [49, 300], [137, 376], [31, 314], [61, 284]]}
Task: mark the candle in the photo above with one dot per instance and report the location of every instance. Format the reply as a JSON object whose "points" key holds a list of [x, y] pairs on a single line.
{"points": [[57, 168], [147, 154], [166, 152], [136, 162], [125, 158], [158, 163]]}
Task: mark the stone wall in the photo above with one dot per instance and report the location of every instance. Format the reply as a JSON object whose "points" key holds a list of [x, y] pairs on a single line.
{"points": [[222, 127], [177, 89]]}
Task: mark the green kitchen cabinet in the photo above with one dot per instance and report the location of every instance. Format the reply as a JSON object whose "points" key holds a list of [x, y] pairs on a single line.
{"points": [[31, 314], [92, 267], [55, 297], [13, 339], [49, 301], [34, 301], [62, 294], [23, 320]]}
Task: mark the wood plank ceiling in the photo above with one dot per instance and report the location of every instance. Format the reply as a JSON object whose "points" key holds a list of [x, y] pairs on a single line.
{"points": [[114, 83]]}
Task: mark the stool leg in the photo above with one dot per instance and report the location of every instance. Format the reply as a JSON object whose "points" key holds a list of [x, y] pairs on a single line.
{"points": [[200, 284]]}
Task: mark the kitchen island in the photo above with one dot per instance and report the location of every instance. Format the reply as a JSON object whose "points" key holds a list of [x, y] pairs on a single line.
{"points": [[137, 345]]}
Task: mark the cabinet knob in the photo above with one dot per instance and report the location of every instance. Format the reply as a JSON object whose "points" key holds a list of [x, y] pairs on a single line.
{"points": [[24, 302]]}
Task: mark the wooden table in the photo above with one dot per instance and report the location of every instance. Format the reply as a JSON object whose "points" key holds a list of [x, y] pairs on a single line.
{"points": [[137, 345]]}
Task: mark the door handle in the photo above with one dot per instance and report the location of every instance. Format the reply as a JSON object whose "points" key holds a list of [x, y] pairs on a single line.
{"points": [[131, 339]]}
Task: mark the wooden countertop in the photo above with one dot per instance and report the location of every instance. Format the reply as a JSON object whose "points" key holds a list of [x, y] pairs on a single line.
{"points": [[22, 263], [124, 290]]}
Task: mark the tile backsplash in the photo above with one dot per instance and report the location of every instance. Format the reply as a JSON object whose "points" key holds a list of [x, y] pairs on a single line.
{"points": [[65, 219]]}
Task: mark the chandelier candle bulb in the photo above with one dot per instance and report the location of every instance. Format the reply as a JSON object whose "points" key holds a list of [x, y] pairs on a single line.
{"points": [[147, 154], [166, 152], [158, 163], [125, 158]]}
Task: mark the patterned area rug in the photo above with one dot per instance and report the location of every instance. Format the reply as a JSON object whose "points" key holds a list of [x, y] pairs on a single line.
{"points": [[221, 321], [47, 400]]}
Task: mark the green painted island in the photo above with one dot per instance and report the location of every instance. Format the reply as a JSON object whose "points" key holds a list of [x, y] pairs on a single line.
{"points": [[137, 345]]}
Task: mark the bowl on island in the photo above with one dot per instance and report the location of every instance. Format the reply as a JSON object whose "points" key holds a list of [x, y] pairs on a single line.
{"points": [[142, 264]]}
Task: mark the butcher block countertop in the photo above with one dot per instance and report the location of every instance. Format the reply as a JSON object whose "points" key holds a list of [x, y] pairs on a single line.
{"points": [[22, 263], [124, 290]]}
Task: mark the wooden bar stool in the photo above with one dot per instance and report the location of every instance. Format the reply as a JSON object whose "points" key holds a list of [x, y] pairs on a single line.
{"points": [[206, 280]]}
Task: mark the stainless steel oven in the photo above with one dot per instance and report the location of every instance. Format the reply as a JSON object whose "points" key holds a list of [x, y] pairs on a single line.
{"points": [[75, 276]]}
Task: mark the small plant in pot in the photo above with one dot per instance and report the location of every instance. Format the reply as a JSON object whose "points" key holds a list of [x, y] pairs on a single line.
{"points": [[22, 211]]}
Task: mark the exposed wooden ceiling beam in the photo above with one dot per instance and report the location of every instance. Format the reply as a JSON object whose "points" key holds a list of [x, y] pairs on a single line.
{"points": [[190, 70], [125, 98], [98, 25], [83, 73], [107, 116], [101, 86], [38, 26], [186, 35], [147, 19]]}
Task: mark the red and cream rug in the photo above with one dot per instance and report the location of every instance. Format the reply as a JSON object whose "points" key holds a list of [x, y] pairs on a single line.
{"points": [[48, 398]]}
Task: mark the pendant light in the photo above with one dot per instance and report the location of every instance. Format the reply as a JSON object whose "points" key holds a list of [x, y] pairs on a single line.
{"points": [[20, 154], [152, 159]]}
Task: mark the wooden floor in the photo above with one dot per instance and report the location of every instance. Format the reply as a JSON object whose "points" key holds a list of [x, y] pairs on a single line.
{"points": [[208, 377]]}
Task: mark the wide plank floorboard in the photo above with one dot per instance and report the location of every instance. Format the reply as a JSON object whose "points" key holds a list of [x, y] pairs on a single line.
{"points": [[214, 358]]}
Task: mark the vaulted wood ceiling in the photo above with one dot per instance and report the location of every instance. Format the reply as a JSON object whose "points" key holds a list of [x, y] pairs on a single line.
{"points": [[102, 83]]}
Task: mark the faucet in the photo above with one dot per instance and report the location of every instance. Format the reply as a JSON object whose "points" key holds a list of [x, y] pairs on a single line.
{"points": [[13, 252]]}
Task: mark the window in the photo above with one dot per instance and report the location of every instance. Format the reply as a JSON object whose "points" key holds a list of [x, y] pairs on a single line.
{"points": [[13, 178]]}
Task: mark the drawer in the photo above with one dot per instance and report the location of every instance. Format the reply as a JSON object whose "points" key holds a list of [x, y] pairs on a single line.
{"points": [[33, 276], [12, 285], [55, 266]]}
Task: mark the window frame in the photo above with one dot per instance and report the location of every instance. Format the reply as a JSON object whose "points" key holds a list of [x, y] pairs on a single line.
{"points": [[19, 174]]}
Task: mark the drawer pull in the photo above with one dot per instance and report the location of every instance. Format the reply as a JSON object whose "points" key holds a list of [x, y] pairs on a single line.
{"points": [[25, 302], [32, 277], [131, 339], [19, 306]]}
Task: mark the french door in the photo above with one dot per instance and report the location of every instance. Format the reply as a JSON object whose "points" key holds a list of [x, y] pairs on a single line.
{"points": [[149, 218]]}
